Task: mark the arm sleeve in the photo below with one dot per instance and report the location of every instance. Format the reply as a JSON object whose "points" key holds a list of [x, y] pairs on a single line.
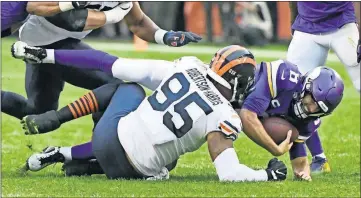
{"points": [[229, 169], [72, 20], [298, 149], [148, 73]]}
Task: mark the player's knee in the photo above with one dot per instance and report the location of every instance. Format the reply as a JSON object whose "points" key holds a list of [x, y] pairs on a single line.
{"points": [[137, 90]]}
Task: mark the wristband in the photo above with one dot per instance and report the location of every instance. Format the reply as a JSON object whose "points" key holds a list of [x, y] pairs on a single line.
{"points": [[65, 6], [159, 35]]}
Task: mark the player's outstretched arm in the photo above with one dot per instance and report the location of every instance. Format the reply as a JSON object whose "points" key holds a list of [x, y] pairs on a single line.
{"points": [[227, 165], [142, 26], [254, 129], [51, 8], [299, 161]]}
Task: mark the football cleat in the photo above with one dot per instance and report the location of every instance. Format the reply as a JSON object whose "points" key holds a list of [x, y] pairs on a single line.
{"points": [[42, 123], [320, 165], [276, 170], [82, 168], [21, 50], [50, 155]]}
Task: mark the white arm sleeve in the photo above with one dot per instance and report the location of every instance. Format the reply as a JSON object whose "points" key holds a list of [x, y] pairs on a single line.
{"points": [[229, 169], [148, 73]]}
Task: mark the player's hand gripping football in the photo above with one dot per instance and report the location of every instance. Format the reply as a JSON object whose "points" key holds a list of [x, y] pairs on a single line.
{"points": [[285, 146], [29, 54], [359, 51], [178, 39]]}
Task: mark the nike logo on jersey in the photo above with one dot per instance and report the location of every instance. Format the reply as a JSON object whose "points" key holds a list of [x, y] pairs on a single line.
{"points": [[283, 75]]}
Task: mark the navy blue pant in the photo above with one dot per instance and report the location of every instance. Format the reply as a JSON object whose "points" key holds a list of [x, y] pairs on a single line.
{"points": [[106, 145]]}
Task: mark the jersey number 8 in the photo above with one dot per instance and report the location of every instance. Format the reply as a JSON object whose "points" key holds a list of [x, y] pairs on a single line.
{"points": [[180, 106]]}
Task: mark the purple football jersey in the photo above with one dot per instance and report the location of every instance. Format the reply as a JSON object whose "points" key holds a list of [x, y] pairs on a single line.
{"points": [[273, 93], [323, 16], [12, 12]]}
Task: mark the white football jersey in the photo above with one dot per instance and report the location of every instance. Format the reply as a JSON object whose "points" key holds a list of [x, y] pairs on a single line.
{"points": [[176, 118], [38, 31]]}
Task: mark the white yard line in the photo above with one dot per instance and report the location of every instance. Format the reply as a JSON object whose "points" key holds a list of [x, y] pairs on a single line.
{"points": [[193, 49]]}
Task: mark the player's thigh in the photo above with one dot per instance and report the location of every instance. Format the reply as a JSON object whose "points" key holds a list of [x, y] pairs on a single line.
{"points": [[106, 145], [305, 52], [87, 79], [344, 44], [43, 86]]}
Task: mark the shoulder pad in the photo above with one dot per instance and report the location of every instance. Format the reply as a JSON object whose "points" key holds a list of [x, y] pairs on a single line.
{"points": [[282, 76]]}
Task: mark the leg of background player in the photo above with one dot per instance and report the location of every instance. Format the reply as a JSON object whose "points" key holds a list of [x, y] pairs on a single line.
{"points": [[92, 102], [15, 105], [305, 52], [344, 44]]}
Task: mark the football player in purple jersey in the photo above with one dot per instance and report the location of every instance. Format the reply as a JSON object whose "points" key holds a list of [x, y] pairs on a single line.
{"points": [[15, 12], [279, 89], [318, 27]]}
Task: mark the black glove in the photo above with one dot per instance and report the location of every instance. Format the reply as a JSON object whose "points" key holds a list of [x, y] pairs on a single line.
{"points": [[178, 39], [79, 4]]}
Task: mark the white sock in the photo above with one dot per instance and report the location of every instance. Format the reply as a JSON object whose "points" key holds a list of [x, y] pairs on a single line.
{"points": [[50, 56], [321, 155], [66, 151]]}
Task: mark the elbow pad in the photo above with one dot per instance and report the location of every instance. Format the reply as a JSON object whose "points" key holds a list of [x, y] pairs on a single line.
{"points": [[72, 20]]}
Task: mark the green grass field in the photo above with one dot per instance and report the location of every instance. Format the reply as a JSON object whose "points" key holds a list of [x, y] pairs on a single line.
{"points": [[195, 174]]}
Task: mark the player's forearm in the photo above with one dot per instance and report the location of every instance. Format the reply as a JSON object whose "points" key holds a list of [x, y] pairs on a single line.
{"points": [[145, 29], [43, 8], [300, 165], [94, 20], [254, 129]]}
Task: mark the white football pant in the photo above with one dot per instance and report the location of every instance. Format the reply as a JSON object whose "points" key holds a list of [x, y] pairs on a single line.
{"points": [[308, 51]]}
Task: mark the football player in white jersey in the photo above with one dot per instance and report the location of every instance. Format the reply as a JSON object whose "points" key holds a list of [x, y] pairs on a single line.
{"points": [[65, 31], [137, 137]]}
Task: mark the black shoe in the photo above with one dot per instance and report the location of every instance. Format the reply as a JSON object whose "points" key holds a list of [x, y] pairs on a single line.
{"points": [[276, 170], [50, 155], [42, 123], [21, 50], [82, 168]]}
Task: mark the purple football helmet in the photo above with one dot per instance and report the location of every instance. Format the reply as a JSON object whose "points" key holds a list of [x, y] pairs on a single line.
{"points": [[326, 88]]}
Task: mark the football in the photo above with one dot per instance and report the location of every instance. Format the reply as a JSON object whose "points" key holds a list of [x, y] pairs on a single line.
{"points": [[277, 129]]}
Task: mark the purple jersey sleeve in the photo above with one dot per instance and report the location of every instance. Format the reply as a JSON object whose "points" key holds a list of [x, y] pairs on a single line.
{"points": [[12, 12], [305, 131], [258, 100]]}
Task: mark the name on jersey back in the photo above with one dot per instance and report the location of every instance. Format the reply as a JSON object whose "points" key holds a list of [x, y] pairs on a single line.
{"points": [[202, 84]]}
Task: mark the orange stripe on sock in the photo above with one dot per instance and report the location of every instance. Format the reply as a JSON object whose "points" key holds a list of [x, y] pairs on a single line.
{"points": [[90, 102], [80, 104], [77, 108], [72, 111], [95, 100], [85, 103]]}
